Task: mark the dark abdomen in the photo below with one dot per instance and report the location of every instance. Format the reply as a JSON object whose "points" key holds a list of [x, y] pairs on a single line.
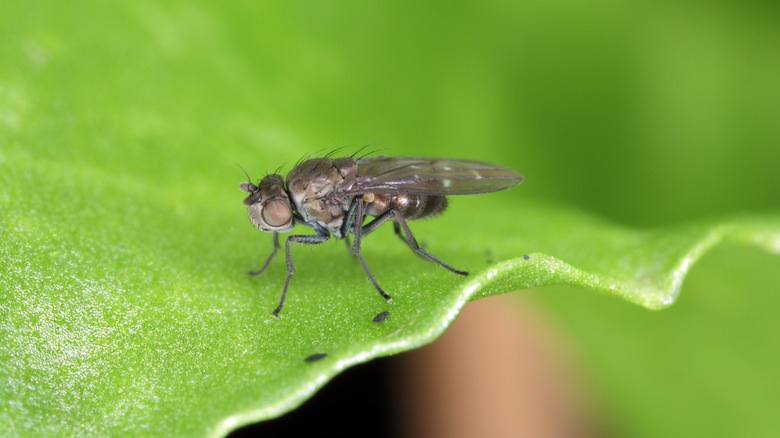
{"points": [[411, 206]]}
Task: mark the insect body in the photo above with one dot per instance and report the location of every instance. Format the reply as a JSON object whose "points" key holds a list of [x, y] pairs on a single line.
{"points": [[334, 195]]}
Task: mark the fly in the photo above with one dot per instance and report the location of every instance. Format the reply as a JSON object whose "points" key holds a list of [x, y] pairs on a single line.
{"points": [[334, 195]]}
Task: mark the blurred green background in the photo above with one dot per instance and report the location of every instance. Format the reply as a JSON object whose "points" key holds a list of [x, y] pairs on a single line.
{"points": [[645, 113]]}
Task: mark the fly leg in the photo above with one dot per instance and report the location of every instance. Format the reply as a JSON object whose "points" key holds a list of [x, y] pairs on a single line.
{"points": [[270, 257], [321, 237], [356, 248], [413, 244], [349, 246], [346, 228], [397, 229], [410, 240]]}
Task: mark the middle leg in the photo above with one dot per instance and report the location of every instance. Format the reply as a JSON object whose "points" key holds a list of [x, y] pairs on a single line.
{"points": [[356, 248]]}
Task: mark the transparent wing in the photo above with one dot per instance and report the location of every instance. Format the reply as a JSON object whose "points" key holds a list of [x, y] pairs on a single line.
{"points": [[431, 176]]}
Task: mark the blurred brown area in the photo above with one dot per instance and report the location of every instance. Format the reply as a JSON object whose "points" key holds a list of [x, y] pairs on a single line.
{"points": [[501, 370]]}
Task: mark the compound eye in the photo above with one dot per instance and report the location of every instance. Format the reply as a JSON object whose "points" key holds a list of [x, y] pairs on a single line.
{"points": [[277, 213]]}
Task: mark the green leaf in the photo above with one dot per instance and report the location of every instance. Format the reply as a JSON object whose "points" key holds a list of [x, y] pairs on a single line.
{"points": [[124, 301], [124, 308]]}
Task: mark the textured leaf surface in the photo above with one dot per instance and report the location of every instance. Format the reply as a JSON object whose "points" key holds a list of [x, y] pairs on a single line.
{"points": [[121, 306]]}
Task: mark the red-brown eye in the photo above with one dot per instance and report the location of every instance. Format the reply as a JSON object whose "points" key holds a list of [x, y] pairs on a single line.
{"points": [[277, 213]]}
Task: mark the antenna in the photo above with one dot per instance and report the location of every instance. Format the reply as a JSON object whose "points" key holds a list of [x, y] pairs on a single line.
{"points": [[248, 179]]}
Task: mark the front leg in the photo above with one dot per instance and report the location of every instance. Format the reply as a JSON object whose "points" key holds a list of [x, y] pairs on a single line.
{"points": [[322, 236], [270, 257]]}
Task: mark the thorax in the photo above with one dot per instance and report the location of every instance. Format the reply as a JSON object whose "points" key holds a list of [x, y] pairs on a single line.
{"points": [[318, 188]]}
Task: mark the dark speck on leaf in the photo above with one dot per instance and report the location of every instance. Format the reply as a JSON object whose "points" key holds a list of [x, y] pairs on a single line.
{"points": [[526, 257], [381, 317], [315, 357]]}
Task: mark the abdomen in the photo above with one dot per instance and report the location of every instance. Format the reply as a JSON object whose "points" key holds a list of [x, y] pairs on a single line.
{"points": [[411, 206]]}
